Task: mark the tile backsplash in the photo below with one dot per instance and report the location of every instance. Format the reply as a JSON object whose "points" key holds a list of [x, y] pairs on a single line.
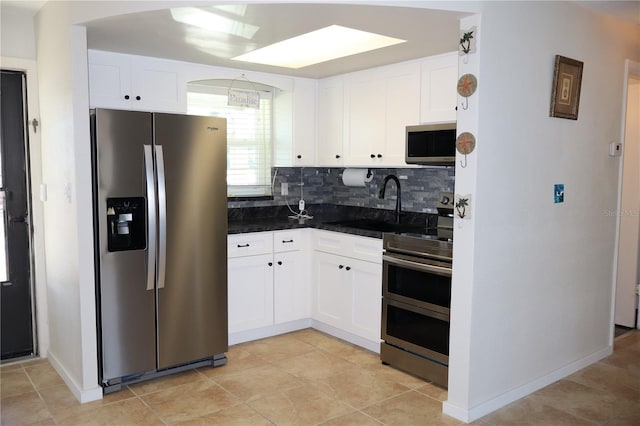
{"points": [[322, 185]]}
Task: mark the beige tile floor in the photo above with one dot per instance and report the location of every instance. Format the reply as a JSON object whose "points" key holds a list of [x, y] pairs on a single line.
{"points": [[309, 378]]}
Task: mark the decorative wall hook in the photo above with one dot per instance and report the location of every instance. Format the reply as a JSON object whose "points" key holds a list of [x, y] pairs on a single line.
{"points": [[465, 144], [467, 85]]}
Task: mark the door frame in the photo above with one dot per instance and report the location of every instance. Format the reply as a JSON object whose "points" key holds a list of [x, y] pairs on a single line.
{"points": [[631, 70], [38, 195]]}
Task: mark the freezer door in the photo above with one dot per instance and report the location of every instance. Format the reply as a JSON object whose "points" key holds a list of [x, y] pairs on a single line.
{"points": [[192, 237], [126, 308]]}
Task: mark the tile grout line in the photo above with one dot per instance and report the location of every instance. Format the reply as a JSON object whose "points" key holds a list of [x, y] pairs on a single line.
{"points": [[26, 372]]}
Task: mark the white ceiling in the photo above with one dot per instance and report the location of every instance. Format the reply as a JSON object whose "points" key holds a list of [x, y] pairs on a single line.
{"points": [[156, 34], [428, 32]]}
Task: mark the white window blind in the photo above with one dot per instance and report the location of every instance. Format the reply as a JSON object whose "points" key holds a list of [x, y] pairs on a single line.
{"points": [[249, 139]]}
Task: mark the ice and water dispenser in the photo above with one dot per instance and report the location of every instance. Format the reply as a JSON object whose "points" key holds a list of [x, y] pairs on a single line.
{"points": [[126, 221]]}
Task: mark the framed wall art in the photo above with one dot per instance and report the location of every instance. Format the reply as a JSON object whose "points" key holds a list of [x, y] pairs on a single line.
{"points": [[567, 79]]}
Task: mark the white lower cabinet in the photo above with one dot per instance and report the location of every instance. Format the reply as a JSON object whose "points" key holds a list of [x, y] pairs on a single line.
{"points": [[291, 287], [250, 292], [348, 294], [278, 284], [348, 284], [330, 306], [268, 280]]}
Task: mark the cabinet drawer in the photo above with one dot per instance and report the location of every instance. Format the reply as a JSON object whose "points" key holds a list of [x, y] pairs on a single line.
{"points": [[249, 244], [363, 248], [287, 241]]}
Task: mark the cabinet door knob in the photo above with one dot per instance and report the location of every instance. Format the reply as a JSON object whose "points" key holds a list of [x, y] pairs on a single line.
{"points": [[137, 98], [270, 263], [126, 97], [299, 156], [279, 262], [337, 155], [340, 266], [348, 268], [379, 155]]}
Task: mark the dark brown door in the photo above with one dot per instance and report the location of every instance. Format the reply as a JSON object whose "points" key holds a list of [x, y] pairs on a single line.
{"points": [[16, 315]]}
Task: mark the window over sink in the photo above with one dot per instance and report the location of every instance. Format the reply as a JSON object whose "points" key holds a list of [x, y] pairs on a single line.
{"points": [[249, 133]]}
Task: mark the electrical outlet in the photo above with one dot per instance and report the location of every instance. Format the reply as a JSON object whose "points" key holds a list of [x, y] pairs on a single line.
{"points": [[284, 188]]}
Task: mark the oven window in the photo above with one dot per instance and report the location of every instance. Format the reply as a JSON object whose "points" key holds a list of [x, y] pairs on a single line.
{"points": [[422, 330], [419, 285]]}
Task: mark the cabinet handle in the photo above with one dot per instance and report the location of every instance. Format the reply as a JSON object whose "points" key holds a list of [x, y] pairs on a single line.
{"points": [[337, 155], [373, 156], [379, 155], [279, 262], [270, 263], [286, 241], [340, 266], [299, 156], [126, 97], [138, 98], [348, 268], [243, 245]]}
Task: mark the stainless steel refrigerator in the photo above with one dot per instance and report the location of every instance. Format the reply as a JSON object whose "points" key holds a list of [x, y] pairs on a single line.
{"points": [[160, 219]]}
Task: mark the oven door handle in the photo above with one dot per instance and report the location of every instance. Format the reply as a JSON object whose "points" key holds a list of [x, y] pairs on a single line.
{"points": [[416, 253], [416, 265]]}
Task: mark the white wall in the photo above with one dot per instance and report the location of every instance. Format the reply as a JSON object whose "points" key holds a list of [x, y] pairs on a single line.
{"points": [[628, 275], [17, 36], [66, 170], [542, 276], [538, 302]]}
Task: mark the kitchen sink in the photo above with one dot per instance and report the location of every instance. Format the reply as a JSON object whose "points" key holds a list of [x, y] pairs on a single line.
{"points": [[378, 225]]}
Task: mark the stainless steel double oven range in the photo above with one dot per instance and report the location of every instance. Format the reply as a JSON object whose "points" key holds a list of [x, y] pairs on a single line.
{"points": [[416, 302]]}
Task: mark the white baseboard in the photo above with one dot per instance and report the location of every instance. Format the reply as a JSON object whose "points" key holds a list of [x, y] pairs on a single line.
{"points": [[269, 331], [351, 338], [82, 395], [274, 330], [474, 413]]}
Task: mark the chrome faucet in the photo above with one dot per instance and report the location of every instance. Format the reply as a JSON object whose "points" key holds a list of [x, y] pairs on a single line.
{"points": [[398, 200]]}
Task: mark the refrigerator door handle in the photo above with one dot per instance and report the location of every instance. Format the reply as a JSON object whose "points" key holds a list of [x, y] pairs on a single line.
{"points": [[162, 217], [151, 214]]}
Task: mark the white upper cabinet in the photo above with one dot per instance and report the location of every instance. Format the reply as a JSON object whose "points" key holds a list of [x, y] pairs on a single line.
{"points": [[304, 122], [135, 83], [365, 112], [295, 125], [362, 116], [439, 79], [380, 103], [330, 124]]}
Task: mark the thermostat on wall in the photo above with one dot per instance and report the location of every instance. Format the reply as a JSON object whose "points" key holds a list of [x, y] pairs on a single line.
{"points": [[615, 149]]}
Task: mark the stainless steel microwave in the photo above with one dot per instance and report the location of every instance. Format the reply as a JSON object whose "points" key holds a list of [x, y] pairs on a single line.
{"points": [[433, 144]]}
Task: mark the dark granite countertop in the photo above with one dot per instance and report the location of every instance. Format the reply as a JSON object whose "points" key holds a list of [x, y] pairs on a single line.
{"points": [[258, 219]]}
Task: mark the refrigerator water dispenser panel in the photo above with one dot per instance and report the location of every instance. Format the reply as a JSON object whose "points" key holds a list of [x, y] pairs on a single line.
{"points": [[126, 224]]}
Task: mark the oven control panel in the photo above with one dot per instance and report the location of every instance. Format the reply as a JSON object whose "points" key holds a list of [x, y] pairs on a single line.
{"points": [[445, 204]]}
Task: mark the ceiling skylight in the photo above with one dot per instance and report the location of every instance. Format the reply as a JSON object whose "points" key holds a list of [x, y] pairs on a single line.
{"points": [[213, 22], [318, 46]]}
